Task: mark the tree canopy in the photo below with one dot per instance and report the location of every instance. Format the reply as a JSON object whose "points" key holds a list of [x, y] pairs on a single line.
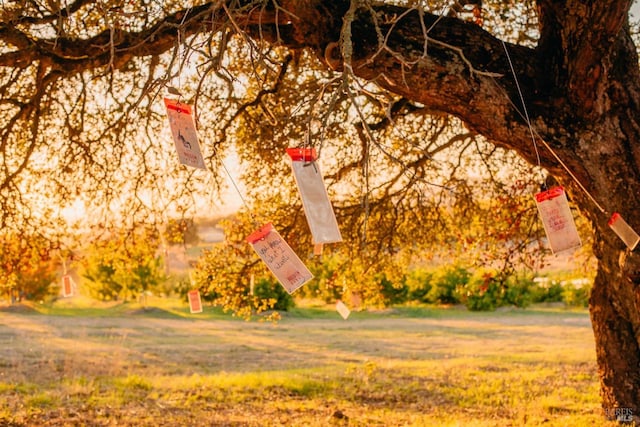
{"points": [[395, 93]]}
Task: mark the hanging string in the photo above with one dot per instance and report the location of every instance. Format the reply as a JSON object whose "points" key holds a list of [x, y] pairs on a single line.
{"points": [[535, 134], [179, 54], [524, 106], [230, 176], [236, 187], [367, 189], [566, 168], [182, 55]]}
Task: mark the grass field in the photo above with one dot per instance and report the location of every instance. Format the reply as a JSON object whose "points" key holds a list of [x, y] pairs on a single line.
{"points": [[128, 366]]}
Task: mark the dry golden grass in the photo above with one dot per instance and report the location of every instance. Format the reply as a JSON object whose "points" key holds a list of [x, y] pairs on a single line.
{"points": [[411, 367]]}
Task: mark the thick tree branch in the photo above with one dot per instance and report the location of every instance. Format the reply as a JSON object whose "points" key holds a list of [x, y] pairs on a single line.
{"points": [[456, 68], [112, 46]]}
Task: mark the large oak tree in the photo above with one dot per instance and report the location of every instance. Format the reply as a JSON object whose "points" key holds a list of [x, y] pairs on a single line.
{"points": [[75, 73]]}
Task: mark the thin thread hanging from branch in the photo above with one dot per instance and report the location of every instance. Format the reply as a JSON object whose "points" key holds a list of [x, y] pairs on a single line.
{"points": [[524, 106], [525, 116], [566, 168], [236, 187], [535, 134], [233, 181]]}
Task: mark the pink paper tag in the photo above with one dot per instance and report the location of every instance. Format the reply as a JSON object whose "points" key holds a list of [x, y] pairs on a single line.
{"points": [[557, 220], [184, 133], [280, 258], [195, 304], [67, 286], [624, 231], [343, 310], [315, 199]]}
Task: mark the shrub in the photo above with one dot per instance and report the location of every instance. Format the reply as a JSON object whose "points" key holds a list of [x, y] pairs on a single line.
{"points": [[483, 292], [325, 284], [546, 291], [269, 288], [224, 274], [490, 289], [576, 296], [27, 268], [518, 291], [392, 293], [123, 266], [447, 285], [178, 284], [418, 283]]}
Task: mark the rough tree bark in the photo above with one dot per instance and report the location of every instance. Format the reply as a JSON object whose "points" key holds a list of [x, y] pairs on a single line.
{"points": [[580, 84]]}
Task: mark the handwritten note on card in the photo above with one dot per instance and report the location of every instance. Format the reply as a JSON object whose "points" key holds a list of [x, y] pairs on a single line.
{"points": [[557, 219], [281, 260]]}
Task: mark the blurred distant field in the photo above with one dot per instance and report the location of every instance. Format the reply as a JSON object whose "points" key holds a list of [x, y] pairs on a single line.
{"points": [[129, 366]]}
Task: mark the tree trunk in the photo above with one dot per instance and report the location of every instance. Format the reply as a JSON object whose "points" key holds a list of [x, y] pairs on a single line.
{"points": [[616, 326]]}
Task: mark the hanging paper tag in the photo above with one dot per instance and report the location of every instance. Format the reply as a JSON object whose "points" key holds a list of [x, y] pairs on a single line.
{"points": [[624, 231], [67, 286], [184, 133], [557, 220], [195, 304], [317, 249], [315, 200], [280, 258], [342, 309], [356, 300]]}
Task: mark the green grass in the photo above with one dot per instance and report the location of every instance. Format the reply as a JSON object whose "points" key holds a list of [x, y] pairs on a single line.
{"points": [[413, 366]]}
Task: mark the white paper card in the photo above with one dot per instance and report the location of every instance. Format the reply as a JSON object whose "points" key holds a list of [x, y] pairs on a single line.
{"points": [[280, 258], [195, 303], [343, 310], [557, 219], [184, 133], [315, 200], [624, 231]]}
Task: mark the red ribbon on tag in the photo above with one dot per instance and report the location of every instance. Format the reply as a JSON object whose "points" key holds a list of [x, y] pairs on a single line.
{"points": [[549, 194], [177, 106], [304, 154], [260, 234]]}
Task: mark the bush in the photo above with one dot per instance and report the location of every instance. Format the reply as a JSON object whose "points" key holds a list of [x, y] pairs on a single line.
{"points": [[224, 273], [486, 289], [490, 289], [27, 269], [325, 284], [123, 266], [269, 288], [448, 284], [546, 291], [518, 291], [483, 292], [418, 283], [576, 296], [392, 293]]}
